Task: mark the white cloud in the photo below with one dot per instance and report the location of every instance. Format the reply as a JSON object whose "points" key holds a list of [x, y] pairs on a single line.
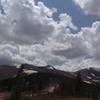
{"points": [[91, 37], [80, 50], [31, 23], [29, 34], [25, 22], [89, 6]]}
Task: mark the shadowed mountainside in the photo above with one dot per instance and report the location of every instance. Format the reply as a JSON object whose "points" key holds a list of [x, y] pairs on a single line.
{"points": [[48, 80]]}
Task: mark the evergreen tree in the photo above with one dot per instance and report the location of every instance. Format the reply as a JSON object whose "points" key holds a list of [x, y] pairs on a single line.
{"points": [[18, 86]]}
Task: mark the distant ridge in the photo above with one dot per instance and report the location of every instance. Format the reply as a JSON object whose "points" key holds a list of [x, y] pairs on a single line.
{"points": [[67, 83], [90, 74]]}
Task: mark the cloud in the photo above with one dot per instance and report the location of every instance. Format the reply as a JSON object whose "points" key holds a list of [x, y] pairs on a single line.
{"points": [[29, 34], [80, 50], [89, 6], [65, 51], [30, 24], [91, 37], [22, 34]]}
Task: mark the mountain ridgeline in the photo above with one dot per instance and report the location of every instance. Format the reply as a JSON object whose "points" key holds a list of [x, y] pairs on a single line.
{"points": [[46, 80]]}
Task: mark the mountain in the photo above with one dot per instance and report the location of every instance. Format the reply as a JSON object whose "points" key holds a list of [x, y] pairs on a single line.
{"points": [[47, 79], [90, 75], [7, 71]]}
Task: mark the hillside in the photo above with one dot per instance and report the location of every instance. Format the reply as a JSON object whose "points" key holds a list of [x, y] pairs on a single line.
{"points": [[46, 80]]}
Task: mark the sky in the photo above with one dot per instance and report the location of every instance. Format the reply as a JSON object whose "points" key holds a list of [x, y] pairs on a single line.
{"points": [[61, 33], [68, 6]]}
